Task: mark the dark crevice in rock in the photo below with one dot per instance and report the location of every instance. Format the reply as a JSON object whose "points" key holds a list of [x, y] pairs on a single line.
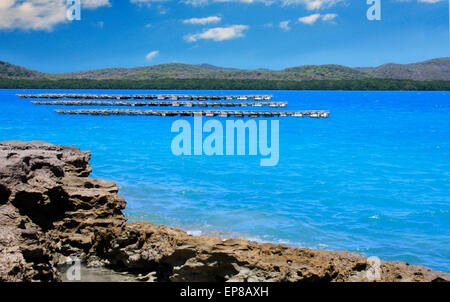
{"points": [[4, 194], [179, 257], [43, 210], [360, 267]]}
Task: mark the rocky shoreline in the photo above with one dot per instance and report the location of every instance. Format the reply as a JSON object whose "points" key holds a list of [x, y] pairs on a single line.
{"points": [[50, 209]]}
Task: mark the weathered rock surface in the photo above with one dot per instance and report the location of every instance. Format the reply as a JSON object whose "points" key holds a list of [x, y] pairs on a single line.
{"points": [[50, 209]]}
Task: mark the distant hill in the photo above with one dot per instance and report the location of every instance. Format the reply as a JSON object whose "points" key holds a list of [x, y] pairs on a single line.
{"points": [[323, 72], [173, 70], [436, 69], [206, 71], [11, 71]]}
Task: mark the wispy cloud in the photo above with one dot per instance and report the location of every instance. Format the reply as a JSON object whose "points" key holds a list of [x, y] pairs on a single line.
{"points": [[146, 2], [284, 25], [152, 54], [93, 4], [309, 4], [311, 19], [203, 21], [312, 4], [219, 33], [205, 2], [329, 17]]}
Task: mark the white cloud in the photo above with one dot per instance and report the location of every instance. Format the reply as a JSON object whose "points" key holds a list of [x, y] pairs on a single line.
{"points": [[309, 4], [38, 14], [311, 19], [242, 1], [152, 54], [285, 25], [146, 2], [329, 17], [206, 2], [93, 4], [203, 21], [33, 14], [195, 2], [312, 4], [219, 33]]}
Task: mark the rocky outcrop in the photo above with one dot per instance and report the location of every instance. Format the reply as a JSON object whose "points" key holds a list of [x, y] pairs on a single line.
{"points": [[50, 209]]}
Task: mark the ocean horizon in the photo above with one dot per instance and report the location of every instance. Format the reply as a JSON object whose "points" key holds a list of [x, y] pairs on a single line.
{"points": [[373, 178]]}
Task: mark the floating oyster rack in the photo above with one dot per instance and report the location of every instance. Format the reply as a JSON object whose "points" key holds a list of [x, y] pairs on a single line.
{"points": [[170, 100]]}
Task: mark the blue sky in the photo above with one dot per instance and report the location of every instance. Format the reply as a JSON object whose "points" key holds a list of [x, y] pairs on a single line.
{"points": [[249, 34]]}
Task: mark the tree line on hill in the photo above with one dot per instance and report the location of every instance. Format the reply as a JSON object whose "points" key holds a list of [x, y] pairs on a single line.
{"points": [[227, 84]]}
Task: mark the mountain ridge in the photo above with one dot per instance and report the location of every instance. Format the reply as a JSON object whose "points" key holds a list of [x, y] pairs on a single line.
{"points": [[434, 69]]}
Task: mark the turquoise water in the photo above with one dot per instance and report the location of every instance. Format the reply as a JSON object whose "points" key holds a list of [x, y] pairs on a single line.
{"points": [[373, 178]]}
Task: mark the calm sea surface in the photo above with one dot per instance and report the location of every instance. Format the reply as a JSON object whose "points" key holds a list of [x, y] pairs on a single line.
{"points": [[373, 178]]}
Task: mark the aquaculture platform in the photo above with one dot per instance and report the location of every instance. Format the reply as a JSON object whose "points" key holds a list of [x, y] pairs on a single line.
{"points": [[172, 100], [207, 113], [173, 97], [163, 103]]}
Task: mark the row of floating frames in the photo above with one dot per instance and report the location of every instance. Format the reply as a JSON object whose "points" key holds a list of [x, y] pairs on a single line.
{"points": [[207, 113], [173, 97], [163, 103]]}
